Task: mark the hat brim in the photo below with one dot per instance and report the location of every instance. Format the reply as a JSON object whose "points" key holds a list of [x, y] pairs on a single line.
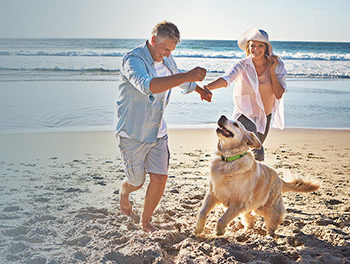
{"points": [[253, 34]]}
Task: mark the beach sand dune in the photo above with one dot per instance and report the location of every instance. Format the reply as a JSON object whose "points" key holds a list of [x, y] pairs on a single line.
{"points": [[60, 202]]}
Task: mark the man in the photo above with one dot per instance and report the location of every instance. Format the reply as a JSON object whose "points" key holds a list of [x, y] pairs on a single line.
{"points": [[149, 72]]}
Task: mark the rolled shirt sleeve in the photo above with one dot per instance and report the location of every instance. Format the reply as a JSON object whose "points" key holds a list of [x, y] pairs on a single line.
{"points": [[231, 74], [188, 87], [134, 70], [281, 74]]}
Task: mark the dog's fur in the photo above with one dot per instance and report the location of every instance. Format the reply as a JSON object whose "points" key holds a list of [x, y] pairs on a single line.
{"points": [[245, 185]]}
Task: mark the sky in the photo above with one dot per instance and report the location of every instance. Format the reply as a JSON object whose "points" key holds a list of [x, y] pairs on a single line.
{"points": [[292, 20]]}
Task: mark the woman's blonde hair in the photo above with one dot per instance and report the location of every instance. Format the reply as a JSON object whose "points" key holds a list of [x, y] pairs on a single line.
{"points": [[168, 30], [267, 53]]}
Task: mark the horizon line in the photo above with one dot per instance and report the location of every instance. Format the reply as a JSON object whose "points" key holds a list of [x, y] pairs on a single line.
{"points": [[135, 38]]}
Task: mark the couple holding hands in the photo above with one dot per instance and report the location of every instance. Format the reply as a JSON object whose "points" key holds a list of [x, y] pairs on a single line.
{"points": [[149, 72]]}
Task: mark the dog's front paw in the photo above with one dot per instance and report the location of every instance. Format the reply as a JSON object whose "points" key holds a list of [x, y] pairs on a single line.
{"points": [[220, 230], [271, 234], [199, 226], [198, 230]]}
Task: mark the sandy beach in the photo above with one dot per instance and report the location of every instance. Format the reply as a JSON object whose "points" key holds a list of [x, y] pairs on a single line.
{"points": [[60, 202]]}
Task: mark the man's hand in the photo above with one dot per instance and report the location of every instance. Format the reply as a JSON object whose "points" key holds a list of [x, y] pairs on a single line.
{"points": [[196, 74], [204, 93]]}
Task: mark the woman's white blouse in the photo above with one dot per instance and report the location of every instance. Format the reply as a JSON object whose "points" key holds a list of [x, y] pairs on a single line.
{"points": [[246, 95]]}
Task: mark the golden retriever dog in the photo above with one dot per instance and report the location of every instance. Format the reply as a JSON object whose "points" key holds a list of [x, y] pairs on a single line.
{"points": [[244, 185]]}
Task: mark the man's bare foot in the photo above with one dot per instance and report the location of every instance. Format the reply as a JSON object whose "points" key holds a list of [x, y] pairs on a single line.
{"points": [[147, 227], [125, 204]]}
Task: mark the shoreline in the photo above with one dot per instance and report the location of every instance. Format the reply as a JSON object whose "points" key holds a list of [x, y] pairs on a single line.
{"points": [[92, 129], [68, 144]]}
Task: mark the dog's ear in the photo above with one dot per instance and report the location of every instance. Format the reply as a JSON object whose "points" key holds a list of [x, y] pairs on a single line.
{"points": [[252, 140]]}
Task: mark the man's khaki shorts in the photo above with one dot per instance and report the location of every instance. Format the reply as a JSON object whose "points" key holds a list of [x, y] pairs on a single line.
{"points": [[141, 158]]}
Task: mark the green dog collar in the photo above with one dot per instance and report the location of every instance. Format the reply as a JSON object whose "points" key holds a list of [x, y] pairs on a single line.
{"points": [[233, 158]]}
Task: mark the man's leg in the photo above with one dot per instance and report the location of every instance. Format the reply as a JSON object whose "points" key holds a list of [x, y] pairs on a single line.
{"points": [[154, 193], [133, 154], [124, 202], [157, 164]]}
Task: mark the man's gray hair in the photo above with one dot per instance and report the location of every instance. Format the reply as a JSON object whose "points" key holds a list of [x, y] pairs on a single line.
{"points": [[166, 29]]}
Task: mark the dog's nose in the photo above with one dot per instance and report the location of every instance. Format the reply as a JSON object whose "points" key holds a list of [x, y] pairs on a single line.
{"points": [[222, 120], [235, 123]]}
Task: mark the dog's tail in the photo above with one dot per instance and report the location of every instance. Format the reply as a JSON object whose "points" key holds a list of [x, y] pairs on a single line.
{"points": [[299, 185]]}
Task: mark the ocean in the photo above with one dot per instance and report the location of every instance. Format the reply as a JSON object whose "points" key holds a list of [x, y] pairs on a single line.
{"points": [[70, 84]]}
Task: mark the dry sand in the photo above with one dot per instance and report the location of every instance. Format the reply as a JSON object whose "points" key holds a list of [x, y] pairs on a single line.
{"points": [[60, 191]]}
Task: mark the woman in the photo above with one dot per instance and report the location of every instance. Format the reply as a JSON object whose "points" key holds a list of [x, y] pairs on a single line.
{"points": [[259, 86]]}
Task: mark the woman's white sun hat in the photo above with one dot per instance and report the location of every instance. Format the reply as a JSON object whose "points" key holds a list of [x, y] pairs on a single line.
{"points": [[254, 34]]}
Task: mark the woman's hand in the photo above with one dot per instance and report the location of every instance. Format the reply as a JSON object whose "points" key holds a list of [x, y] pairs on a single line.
{"points": [[277, 88], [273, 62], [204, 93], [207, 95]]}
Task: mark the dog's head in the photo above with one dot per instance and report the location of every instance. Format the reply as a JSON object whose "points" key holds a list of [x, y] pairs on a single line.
{"points": [[232, 135]]}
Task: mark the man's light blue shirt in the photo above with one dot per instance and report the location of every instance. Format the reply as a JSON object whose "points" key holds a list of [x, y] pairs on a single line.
{"points": [[138, 111]]}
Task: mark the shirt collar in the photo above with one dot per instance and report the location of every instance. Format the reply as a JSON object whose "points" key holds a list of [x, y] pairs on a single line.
{"points": [[250, 60], [148, 56]]}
